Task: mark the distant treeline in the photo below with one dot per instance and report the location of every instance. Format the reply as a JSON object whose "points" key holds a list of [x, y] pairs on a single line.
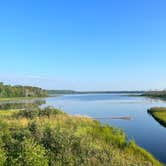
{"points": [[155, 94], [52, 92], [21, 91]]}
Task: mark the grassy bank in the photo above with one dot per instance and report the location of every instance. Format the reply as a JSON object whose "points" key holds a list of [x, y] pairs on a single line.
{"points": [[51, 137], [159, 113]]}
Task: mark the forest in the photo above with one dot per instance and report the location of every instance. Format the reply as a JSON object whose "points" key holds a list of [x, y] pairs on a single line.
{"points": [[7, 91]]}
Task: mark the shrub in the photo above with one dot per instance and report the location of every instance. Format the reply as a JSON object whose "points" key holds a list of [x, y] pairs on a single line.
{"points": [[32, 154], [48, 111], [2, 157], [28, 113], [38, 112]]}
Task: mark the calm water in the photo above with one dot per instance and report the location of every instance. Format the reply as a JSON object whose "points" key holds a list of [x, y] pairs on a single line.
{"points": [[147, 133]]}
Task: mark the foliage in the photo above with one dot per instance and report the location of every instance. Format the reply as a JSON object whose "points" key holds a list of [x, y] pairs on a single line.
{"points": [[52, 92], [56, 92], [32, 154], [2, 157], [159, 113], [21, 91], [38, 112], [51, 137], [2, 154], [155, 94]]}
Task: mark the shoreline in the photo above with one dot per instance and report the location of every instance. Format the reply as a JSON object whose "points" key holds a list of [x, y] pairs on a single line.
{"points": [[82, 128], [159, 114]]}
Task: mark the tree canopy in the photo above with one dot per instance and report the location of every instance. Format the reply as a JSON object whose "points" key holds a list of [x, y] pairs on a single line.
{"points": [[21, 91]]}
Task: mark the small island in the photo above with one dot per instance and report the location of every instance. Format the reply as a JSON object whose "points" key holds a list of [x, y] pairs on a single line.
{"points": [[159, 114]]}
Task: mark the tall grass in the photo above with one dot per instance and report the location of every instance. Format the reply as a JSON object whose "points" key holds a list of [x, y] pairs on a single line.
{"points": [[51, 137], [159, 114]]}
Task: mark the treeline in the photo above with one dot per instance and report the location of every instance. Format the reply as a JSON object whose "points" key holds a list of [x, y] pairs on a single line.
{"points": [[52, 92], [154, 94], [21, 91]]}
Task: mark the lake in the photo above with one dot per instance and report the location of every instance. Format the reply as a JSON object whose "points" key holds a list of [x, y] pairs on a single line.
{"points": [[142, 128]]}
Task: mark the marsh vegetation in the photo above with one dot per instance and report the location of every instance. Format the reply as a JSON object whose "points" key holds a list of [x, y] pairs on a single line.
{"points": [[159, 113], [49, 136]]}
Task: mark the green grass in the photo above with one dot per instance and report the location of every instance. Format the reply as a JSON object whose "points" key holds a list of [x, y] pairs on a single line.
{"points": [[159, 113], [51, 137]]}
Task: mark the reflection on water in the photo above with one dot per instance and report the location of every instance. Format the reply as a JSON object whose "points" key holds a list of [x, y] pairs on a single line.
{"points": [[21, 104]]}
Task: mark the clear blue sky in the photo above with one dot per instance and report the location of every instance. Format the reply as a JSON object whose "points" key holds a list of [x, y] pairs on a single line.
{"points": [[84, 45]]}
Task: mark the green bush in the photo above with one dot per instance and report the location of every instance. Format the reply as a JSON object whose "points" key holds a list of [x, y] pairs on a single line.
{"points": [[49, 111], [2, 154], [38, 112], [32, 154], [28, 113], [2, 157]]}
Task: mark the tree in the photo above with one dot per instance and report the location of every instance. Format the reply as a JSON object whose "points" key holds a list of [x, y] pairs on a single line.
{"points": [[21, 91]]}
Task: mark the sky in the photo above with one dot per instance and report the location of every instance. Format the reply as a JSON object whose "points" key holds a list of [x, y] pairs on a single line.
{"points": [[84, 45]]}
